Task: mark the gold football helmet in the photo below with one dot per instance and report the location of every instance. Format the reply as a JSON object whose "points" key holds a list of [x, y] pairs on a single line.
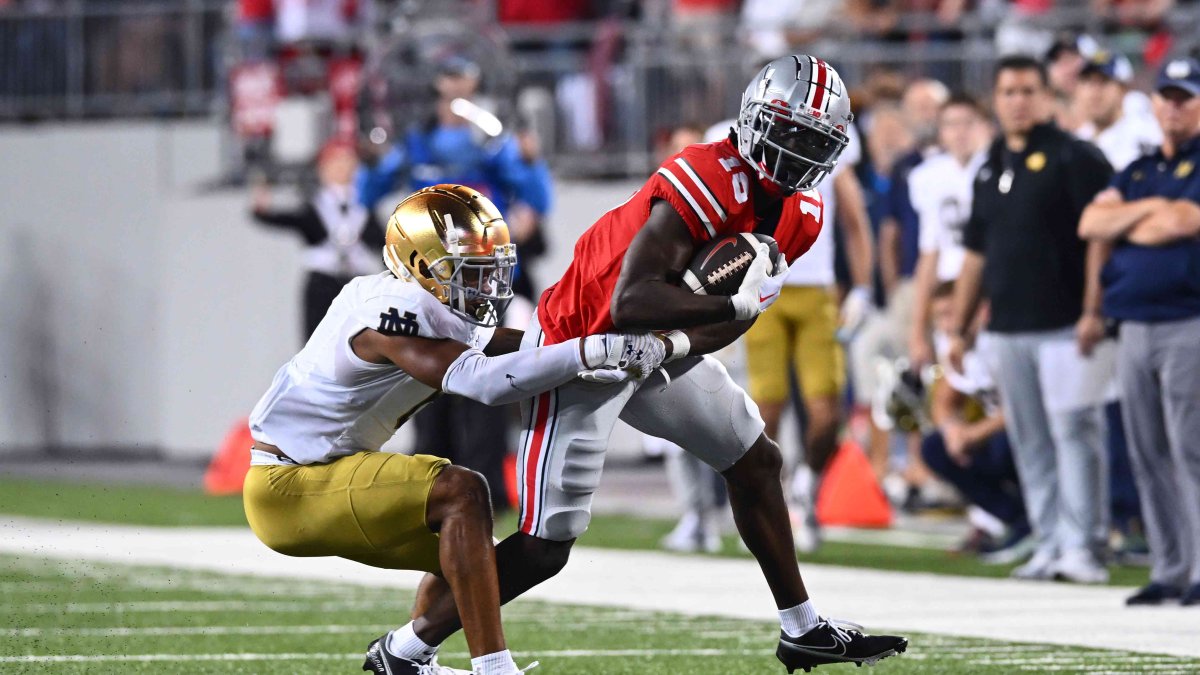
{"points": [[454, 243]]}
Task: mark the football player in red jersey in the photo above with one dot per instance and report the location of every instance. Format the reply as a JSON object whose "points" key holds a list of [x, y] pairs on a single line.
{"points": [[625, 276]]}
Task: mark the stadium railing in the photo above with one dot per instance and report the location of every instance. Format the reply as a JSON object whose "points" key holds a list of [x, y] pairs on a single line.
{"points": [[75, 59], [600, 92]]}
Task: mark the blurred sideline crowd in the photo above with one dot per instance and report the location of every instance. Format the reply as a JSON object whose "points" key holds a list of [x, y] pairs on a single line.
{"points": [[1001, 314]]}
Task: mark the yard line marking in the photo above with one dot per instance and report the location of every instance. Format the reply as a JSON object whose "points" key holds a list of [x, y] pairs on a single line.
{"points": [[130, 631], [204, 606], [563, 653]]}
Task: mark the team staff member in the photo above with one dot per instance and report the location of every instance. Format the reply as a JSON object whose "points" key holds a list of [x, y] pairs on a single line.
{"points": [[1149, 221], [1024, 254], [342, 236]]}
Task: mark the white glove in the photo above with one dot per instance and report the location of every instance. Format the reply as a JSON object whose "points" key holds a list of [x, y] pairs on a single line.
{"points": [[619, 357], [855, 310], [605, 375], [769, 292], [601, 351], [748, 301]]}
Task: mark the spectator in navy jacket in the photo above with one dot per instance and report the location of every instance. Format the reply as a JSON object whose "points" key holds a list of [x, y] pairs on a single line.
{"points": [[1147, 225]]}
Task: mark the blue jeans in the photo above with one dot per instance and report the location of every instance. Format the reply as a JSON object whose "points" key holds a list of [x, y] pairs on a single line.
{"points": [[989, 481]]}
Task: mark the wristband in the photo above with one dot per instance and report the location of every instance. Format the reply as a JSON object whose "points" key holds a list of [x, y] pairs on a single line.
{"points": [[680, 344]]}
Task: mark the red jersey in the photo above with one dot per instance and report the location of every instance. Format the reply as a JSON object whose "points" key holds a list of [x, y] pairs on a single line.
{"points": [[710, 186]]}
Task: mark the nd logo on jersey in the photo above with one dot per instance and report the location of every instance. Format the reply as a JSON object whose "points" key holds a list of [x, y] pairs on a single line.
{"points": [[391, 323]]}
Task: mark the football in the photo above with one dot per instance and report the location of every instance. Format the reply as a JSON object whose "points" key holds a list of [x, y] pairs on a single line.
{"points": [[718, 268]]}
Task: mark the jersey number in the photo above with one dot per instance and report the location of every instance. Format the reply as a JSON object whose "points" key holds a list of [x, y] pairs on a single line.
{"points": [[810, 208], [391, 323], [741, 182]]}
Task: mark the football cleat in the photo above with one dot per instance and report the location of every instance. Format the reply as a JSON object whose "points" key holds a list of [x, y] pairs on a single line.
{"points": [[833, 641], [381, 662]]}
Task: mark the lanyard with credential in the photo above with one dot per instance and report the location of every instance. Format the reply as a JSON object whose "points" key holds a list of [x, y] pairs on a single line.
{"points": [[1006, 177]]}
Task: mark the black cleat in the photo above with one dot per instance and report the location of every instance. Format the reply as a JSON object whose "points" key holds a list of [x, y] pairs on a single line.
{"points": [[1153, 594], [381, 662], [835, 641]]}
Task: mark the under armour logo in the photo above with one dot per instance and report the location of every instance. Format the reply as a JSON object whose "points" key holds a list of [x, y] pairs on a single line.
{"points": [[391, 323]]}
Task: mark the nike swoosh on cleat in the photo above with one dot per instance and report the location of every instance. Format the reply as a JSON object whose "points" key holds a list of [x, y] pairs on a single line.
{"points": [[762, 299], [816, 649]]}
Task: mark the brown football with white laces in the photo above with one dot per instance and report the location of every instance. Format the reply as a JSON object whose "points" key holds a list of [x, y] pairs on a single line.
{"points": [[719, 267]]}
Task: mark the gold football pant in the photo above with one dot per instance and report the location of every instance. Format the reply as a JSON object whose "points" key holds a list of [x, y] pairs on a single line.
{"points": [[368, 507], [798, 331]]}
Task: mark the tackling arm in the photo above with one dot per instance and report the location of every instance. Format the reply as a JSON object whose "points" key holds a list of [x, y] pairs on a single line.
{"points": [[455, 368], [647, 294]]}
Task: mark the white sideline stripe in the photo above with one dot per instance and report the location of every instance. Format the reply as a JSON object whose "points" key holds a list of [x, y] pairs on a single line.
{"points": [[1000, 609], [690, 200]]}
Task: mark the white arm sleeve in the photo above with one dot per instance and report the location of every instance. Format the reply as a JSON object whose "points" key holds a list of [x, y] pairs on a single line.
{"points": [[496, 380]]}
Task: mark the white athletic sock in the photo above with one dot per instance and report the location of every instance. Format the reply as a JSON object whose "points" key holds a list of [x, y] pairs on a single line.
{"points": [[496, 663], [798, 620], [403, 642]]}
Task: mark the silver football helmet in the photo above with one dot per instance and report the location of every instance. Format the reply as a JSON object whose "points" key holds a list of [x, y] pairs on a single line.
{"points": [[793, 121]]}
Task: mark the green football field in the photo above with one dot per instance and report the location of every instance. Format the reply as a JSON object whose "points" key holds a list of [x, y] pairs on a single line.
{"points": [[145, 505], [67, 617], [75, 617]]}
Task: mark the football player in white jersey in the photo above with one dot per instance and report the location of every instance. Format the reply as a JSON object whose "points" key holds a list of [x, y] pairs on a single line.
{"points": [[1122, 134], [941, 189], [390, 343]]}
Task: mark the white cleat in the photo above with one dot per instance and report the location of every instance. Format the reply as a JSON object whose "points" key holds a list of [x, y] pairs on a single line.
{"points": [[1079, 566], [1039, 568]]}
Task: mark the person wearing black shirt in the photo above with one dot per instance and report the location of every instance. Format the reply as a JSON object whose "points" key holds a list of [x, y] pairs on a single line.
{"points": [[1147, 228], [1023, 254], [343, 237]]}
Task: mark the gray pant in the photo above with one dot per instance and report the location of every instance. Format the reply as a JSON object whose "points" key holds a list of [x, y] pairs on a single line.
{"points": [[1158, 366], [1060, 455]]}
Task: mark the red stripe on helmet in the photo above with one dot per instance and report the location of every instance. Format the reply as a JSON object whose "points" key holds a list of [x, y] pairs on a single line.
{"points": [[819, 96]]}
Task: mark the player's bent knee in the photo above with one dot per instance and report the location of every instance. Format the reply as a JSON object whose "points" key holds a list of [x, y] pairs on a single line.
{"points": [[458, 492], [763, 462], [544, 557]]}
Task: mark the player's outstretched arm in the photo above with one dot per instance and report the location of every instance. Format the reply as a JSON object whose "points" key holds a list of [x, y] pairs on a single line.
{"points": [[455, 368], [648, 295]]}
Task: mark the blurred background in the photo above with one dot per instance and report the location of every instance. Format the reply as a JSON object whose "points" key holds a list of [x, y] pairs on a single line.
{"points": [[154, 153]]}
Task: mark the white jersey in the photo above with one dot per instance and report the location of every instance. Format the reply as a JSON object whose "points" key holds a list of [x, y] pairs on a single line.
{"points": [[1130, 137], [815, 268], [976, 379], [327, 402], [941, 190]]}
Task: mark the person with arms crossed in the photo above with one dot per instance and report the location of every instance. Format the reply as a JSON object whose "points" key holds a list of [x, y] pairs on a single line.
{"points": [[1148, 267], [1022, 251], [390, 343], [626, 275]]}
